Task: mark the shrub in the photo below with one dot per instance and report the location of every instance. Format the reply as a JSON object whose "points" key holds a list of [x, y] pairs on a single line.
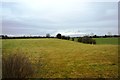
{"points": [[87, 40], [94, 42], [68, 38], [72, 39], [16, 66], [91, 41], [63, 37], [79, 39]]}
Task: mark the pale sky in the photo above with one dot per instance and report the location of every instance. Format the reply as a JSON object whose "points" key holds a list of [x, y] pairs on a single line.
{"points": [[68, 17]]}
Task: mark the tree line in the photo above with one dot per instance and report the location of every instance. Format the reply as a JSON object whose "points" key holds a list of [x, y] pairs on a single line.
{"points": [[59, 36], [84, 39]]}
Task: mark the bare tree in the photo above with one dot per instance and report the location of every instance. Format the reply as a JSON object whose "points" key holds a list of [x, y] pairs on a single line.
{"points": [[48, 35]]}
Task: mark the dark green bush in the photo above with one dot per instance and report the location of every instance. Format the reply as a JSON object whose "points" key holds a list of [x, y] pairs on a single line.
{"points": [[86, 40], [90, 41], [16, 66], [94, 42], [79, 39], [72, 39], [68, 37]]}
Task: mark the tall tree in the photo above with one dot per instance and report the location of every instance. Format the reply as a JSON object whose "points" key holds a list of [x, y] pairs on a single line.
{"points": [[58, 36]]}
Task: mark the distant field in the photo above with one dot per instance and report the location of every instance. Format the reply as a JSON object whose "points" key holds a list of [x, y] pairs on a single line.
{"points": [[113, 41], [107, 41], [54, 58]]}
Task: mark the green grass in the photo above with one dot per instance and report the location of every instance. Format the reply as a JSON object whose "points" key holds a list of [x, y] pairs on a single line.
{"points": [[113, 41], [107, 41], [54, 58]]}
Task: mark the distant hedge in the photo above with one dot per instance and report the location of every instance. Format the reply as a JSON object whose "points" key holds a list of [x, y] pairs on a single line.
{"points": [[86, 40], [72, 39]]}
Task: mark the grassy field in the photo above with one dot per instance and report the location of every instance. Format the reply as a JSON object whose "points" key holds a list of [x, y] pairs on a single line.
{"points": [[107, 41], [54, 58], [113, 41]]}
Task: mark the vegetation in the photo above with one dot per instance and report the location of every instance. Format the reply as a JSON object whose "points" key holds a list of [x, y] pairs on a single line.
{"points": [[114, 41], [72, 39], [56, 58], [101, 41], [87, 40], [59, 36], [47, 35], [16, 66], [65, 37]]}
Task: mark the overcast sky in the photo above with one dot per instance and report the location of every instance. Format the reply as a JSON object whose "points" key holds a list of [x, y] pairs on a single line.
{"points": [[68, 17]]}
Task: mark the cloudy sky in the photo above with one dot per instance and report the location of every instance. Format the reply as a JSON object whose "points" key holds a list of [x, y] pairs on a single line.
{"points": [[68, 17]]}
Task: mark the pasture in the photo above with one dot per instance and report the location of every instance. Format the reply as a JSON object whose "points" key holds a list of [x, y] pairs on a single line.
{"points": [[55, 58], [113, 41], [101, 41]]}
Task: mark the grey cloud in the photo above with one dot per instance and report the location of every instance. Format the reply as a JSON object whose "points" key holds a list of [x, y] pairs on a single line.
{"points": [[96, 17]]}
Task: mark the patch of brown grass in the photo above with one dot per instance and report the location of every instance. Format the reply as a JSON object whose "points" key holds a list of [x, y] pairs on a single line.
{"points": [[16, 66]]}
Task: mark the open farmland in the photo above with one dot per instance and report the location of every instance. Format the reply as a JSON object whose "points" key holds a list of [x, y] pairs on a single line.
{"points": [[101, 41], [113, 41], [55, 58]]}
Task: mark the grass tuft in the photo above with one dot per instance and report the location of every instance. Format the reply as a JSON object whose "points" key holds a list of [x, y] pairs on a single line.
{"points": [[16, 66]]}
